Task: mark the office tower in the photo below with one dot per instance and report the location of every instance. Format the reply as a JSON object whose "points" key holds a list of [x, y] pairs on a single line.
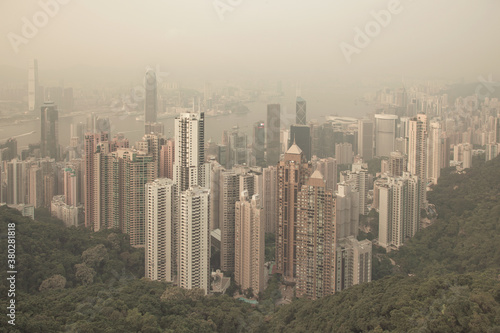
{"points": [[354, 262], [347, 211], [397, 164], [417, 153], [230, 190], [91, 186], [34, 93], [315, 239], [328, 168], [49, 140], [445, 150], [150, 97], [167, 158], [189, 161], [194, 239], [161, 230], [293, 172], [385, 133], [284, 139], [301, 135], [273, 134], [138, 170], [399, 210], [365, 139], [301, 114], [249, 243], [259, 143], [269, 198], [343, 153], [154, 128], [434, 153]]}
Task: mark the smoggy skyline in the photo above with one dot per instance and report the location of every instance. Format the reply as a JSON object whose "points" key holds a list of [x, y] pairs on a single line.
{"points": [[211, 40]]}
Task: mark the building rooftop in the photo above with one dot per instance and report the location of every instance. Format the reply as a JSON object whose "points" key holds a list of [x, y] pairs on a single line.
{"points": [[294, 149]]}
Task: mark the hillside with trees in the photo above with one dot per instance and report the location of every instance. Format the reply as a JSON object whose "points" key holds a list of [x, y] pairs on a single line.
{"points": [[446, 279]]}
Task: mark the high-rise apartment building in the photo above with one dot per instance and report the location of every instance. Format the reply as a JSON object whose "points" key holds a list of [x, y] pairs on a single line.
{"points": [[293, 172], [399, 210], [343, 153], [354, 262], [328, 168], [161, 246], [315, 239], [249, 243], [269, 198], [230, 192], [434, 152], [347, 211], [194, 239], [397, 164], [167, 158], [417, 153], [189, 162]]}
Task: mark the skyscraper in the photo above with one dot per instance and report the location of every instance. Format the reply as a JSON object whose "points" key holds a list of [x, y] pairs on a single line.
{"points": [[249, 243], [315, 239], [189, 164], [301, 135], [385, 134], [328, 168], [354, 262], [259, 143], [161, 230], [365, 139], [150, 97], [399, 210], [49, 140], [34, 95], [194, 239], [347, 211], [167, 155], [417, 153], [230, 190], [301, 112], [434, 152], [269, 195], [397, 164], [273, 134], [293, 172]]}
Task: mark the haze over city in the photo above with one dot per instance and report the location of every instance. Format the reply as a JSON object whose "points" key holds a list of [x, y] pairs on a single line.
{"points": [[250, 166]]}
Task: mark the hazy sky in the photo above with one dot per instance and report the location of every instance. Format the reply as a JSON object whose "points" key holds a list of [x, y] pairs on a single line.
{"points": [[435, 38]]}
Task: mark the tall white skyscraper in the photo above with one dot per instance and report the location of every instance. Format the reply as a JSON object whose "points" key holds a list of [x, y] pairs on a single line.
{"points": [[399, 210], [194, 240], [434, 152], [161, 230], [189, 163], [417, 152]]}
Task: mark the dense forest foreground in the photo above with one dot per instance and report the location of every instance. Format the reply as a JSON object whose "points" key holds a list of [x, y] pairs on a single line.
{"points": [[445, 279]]}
